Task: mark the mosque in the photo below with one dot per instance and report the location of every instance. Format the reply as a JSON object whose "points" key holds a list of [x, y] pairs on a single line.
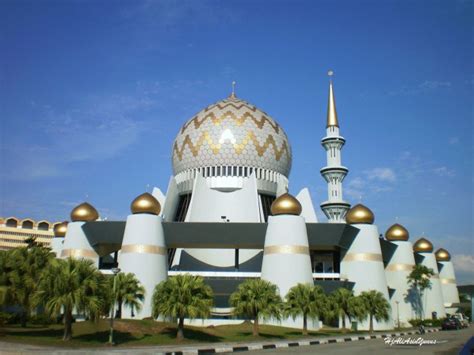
{"points": [[227, 215]]}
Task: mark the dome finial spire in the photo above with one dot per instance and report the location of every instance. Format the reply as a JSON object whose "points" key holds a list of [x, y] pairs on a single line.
{"points": [[332, 114], [232, 95]]}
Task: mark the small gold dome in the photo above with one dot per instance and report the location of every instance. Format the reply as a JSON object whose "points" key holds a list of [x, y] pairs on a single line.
{"points": [[60, 229], [84, 212], [359, 214], [423, 245], [442, 255], [145, 203], [397, 232], [286, 204]]}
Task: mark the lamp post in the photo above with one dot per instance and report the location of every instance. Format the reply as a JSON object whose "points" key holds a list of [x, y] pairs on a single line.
{"points": [[398, 315], [115, 270]]}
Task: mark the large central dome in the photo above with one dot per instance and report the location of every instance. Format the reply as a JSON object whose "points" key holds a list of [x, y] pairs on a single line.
{"points": [[232, 133]]}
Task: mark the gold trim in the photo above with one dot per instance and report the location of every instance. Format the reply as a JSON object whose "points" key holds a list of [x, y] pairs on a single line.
{"points": [[362, 257], [231, 103], [399, 267], [286, 249], [216, 121], [78, 253], [143, 249], [216, 147], [448, 281]]}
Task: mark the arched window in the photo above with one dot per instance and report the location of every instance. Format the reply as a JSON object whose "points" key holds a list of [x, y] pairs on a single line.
{"points": [[27, 224], [44, 226], [11, 222]]}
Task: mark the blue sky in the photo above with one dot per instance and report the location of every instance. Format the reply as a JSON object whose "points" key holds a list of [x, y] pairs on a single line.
{"points": [[93, 93]]}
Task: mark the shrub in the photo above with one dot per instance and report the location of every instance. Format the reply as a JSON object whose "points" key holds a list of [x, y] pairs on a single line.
{"points": [[41, 319]]}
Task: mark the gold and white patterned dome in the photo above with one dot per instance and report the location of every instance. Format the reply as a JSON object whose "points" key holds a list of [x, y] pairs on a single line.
{"points": [[232, 133]]}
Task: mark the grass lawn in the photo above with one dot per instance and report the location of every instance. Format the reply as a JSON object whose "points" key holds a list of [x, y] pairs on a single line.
{"points": [[147, 332]]}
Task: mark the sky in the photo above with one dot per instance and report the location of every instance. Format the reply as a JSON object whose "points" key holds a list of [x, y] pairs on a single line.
{"points": [[93, 93]]}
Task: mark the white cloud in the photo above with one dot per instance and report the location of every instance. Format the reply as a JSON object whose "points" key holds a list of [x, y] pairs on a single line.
{"points": [[453, 140], [434, 84], [355, 188], [463, 262], [422, 88], [444, 171], [97, 128], [381, 174]]}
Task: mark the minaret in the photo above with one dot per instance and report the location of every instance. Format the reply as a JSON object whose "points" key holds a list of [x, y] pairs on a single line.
{"points": [[363, 261], [335, 208], [144, 251], [76, 245], [448, 280], [432, 297], [286, 260], [397, 270]]}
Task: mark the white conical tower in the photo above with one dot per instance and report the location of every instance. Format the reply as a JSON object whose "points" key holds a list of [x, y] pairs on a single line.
{"points": [[363, 262], [144, 251], [58, 241], [76, 244], [335, 208], [433, 297], [286, 261], [396, 272], [448, 280]]}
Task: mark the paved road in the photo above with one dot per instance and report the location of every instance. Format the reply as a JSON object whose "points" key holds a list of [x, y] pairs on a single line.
{"points": [[448, 342]]}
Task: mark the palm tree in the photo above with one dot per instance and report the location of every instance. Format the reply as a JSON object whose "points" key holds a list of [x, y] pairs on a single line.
{"points": [[182, 296], [129, 292], [21, 268], [305, 300], [70, 284], [345, 304], [256, 298], [419, 280], [376, 307]]}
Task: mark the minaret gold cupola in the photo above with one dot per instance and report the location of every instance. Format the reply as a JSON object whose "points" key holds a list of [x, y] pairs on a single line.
{"points": [[442, 255], [359, 214], [397, 232], [332, 113], [84, 212], [145, 203], [286, 204], [60, 229], [423, 245]]}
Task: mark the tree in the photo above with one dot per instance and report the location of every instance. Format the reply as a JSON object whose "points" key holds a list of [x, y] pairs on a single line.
{"points": [[128, 292], [376, 307], [256, 298], [345, 304], [182, 296], [21, 268], [419, 280], [307, 301], [70, 285]]}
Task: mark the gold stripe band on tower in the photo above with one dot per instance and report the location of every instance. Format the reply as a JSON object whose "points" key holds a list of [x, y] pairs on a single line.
{"points": [[143, 249], [448, 281], [399, 267], [78, 253], [362, 257], [286, 249]]}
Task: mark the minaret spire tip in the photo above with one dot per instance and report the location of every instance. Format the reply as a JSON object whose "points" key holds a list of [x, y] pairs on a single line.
{"points": [[332, 113]]}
